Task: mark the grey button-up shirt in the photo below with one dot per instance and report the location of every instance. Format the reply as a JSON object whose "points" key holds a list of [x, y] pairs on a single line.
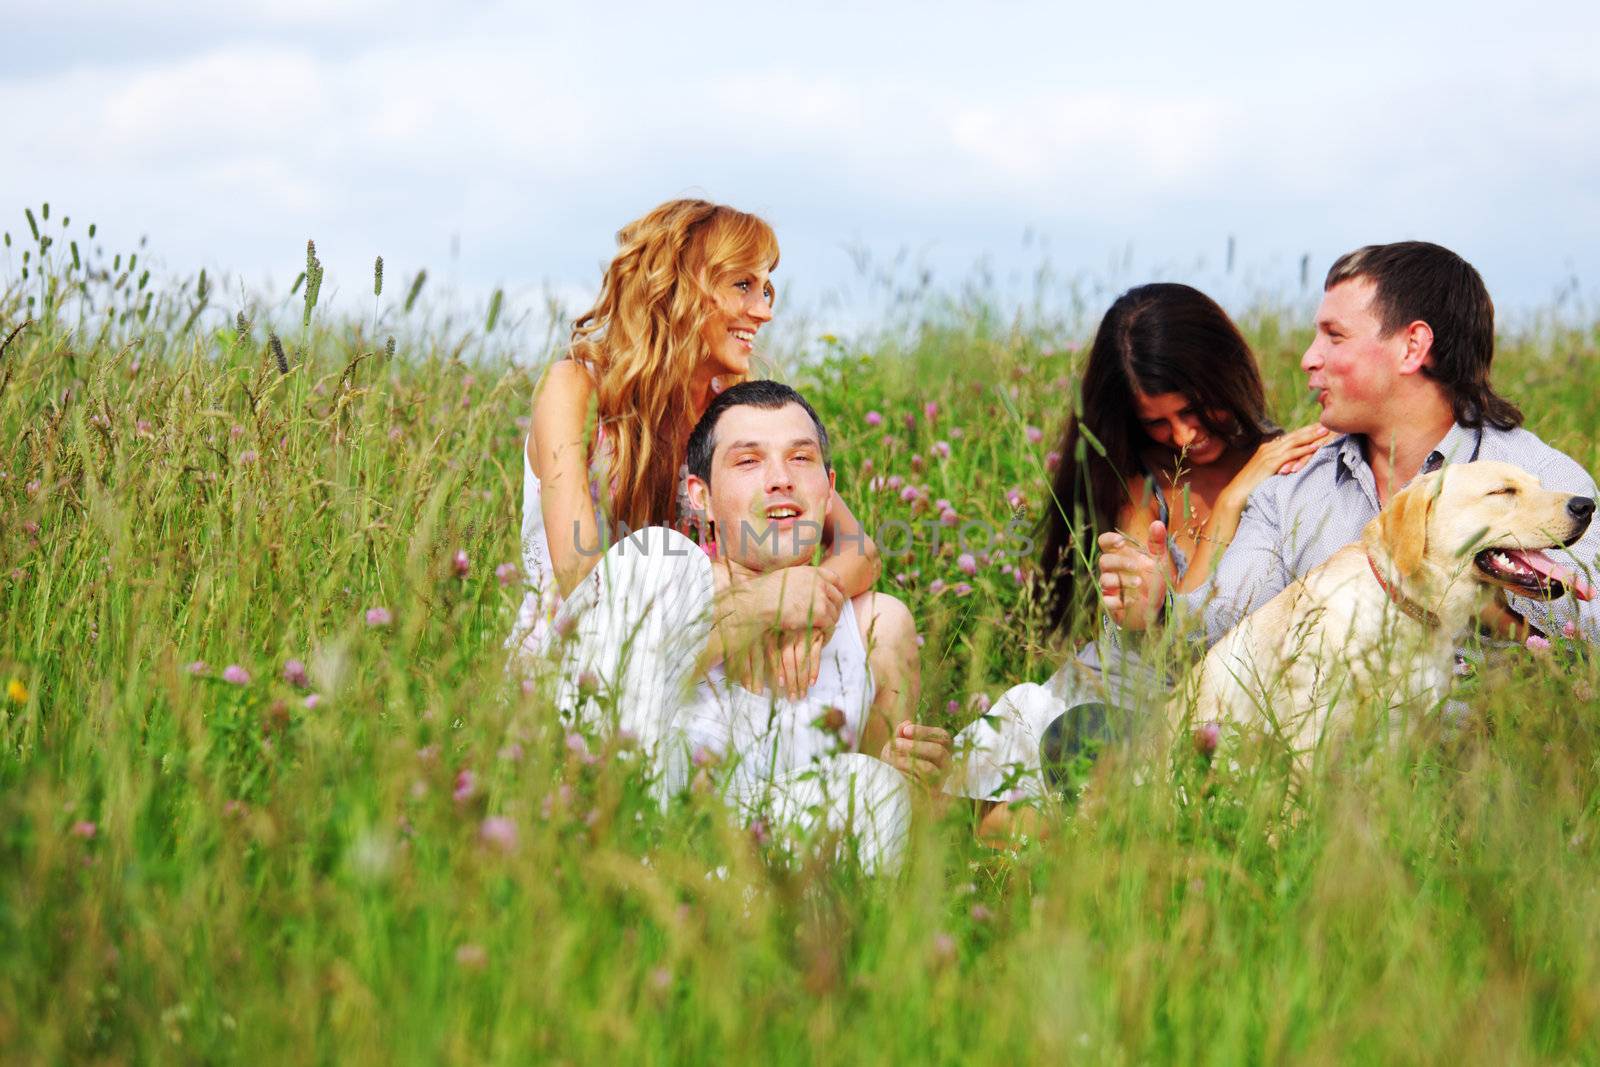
{"points": [[1294, 522]]}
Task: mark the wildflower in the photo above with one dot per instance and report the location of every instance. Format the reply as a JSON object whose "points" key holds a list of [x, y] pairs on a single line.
{"points": [[498, 832], [962, 588], [196, 667], [472, 956], [85, 829], [579, 746], [940, 449], [1569, 629], [466, 786], [235, 431], [867, 465], [952, 706], [511, 753], [142, 427], [980, 701], [874, 419], [396, 433], [30, 527], [703, 757], [294, 672], [248, 456], [916, 462], [930, 410], [1206, 738], [16, 691], [1035, 435], [1014, 497], [967, 564], [661, 979], [312, 700], [1052, 460], [1538, 643], [459, 563], [506, 573], [936, 586], [379, 617], [949, 517], [895, 482], [980, 913], [909, 494], [832, 719], [33, 487], [944, 948], [759, 833], [234, 674]]}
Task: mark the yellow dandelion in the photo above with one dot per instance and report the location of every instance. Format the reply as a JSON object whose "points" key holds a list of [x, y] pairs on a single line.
{"points": [[17, 691]]}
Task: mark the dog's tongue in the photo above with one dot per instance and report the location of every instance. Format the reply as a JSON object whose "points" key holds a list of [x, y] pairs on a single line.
{"points": [[1553, 570]]}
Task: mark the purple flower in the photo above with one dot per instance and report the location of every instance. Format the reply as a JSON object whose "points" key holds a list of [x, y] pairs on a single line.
{"points": [[980, 701], [578, 746], [472, 957], [248, 456], [511, 753], [379, 617], [507, 573], [961, 589], [1035, 435], [312, 700], [703, 756], [930, 410], [84, 828], [1569, 628], [498, 832], [1014, 497], [948, 517], [936, 586], [941, 449], [236, 431], [1052, 460], [197, 667], [1538, 643], [759, 832], [30, 527], [234, 674], [909, 494], [894, 482], [142, 427], [459, 563], [466, 786], [294, 672], [980, 913], [944, 948], [966, 564], [874, 419], [1206, 738]]}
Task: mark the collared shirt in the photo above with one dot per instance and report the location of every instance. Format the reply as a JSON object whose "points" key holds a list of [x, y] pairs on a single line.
{"points": [[1294, 522]]}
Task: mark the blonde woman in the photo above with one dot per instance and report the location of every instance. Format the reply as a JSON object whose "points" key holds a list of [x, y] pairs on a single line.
{"points": [[679, 309]]}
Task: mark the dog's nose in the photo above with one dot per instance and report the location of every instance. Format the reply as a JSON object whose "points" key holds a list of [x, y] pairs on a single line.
{"points": [[1580, 508]]}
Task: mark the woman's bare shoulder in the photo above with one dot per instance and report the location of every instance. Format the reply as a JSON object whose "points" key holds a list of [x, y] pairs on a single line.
{"points": [[566, 382]]}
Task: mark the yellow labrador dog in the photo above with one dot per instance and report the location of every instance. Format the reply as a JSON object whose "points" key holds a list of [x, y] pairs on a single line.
{"points": [[1377, 620]]}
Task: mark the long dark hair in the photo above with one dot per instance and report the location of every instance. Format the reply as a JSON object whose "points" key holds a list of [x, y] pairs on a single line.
{"points": [[1159, 338]]}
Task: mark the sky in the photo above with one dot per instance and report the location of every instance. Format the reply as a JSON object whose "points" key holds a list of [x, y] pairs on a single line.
{"points": [[503, 145]]}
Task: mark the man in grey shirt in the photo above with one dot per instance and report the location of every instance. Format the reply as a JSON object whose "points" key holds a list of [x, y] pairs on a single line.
{"points": [[1400, 365]]}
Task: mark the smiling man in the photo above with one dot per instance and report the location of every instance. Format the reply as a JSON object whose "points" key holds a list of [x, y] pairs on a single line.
{"points": [[760, 473], [1400, 365]]}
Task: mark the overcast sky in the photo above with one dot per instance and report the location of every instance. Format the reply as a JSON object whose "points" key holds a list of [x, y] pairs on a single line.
{"points": [[504, 144]]}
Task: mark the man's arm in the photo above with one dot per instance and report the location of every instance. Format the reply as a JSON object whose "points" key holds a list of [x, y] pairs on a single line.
{"points": [[1252, 571]]}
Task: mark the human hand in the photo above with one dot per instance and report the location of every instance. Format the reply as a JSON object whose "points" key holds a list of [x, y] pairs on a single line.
{"points": [[1281, 455], [802, 598], [919, 752], [799, 661], [1133, 578]]}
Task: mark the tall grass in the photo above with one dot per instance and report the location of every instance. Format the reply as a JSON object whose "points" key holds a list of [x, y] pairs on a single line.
{"points": [[398, 855]]}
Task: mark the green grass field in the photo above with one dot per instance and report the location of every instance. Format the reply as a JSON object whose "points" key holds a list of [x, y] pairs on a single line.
{"points": [[394, 855]]}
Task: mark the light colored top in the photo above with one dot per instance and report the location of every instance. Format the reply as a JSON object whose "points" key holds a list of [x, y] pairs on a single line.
{"points": [[538, 610], [773, 735], [1294, 522]]}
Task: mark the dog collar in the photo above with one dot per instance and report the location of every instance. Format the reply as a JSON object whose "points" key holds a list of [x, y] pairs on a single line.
{"points": [[1404, 603]]}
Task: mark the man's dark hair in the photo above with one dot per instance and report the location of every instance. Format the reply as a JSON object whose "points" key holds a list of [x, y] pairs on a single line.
{"points": [[1415, 280], [761, 393]]}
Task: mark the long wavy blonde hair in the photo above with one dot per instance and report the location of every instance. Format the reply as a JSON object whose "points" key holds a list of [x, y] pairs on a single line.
{"points": [[644, 338]]}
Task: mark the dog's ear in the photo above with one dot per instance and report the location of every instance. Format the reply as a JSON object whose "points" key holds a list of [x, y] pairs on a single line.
{"points": [[1405, 526]]}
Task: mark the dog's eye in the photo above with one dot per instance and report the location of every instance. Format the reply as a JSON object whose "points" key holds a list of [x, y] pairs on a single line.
{"points": [[1504, 490]]}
